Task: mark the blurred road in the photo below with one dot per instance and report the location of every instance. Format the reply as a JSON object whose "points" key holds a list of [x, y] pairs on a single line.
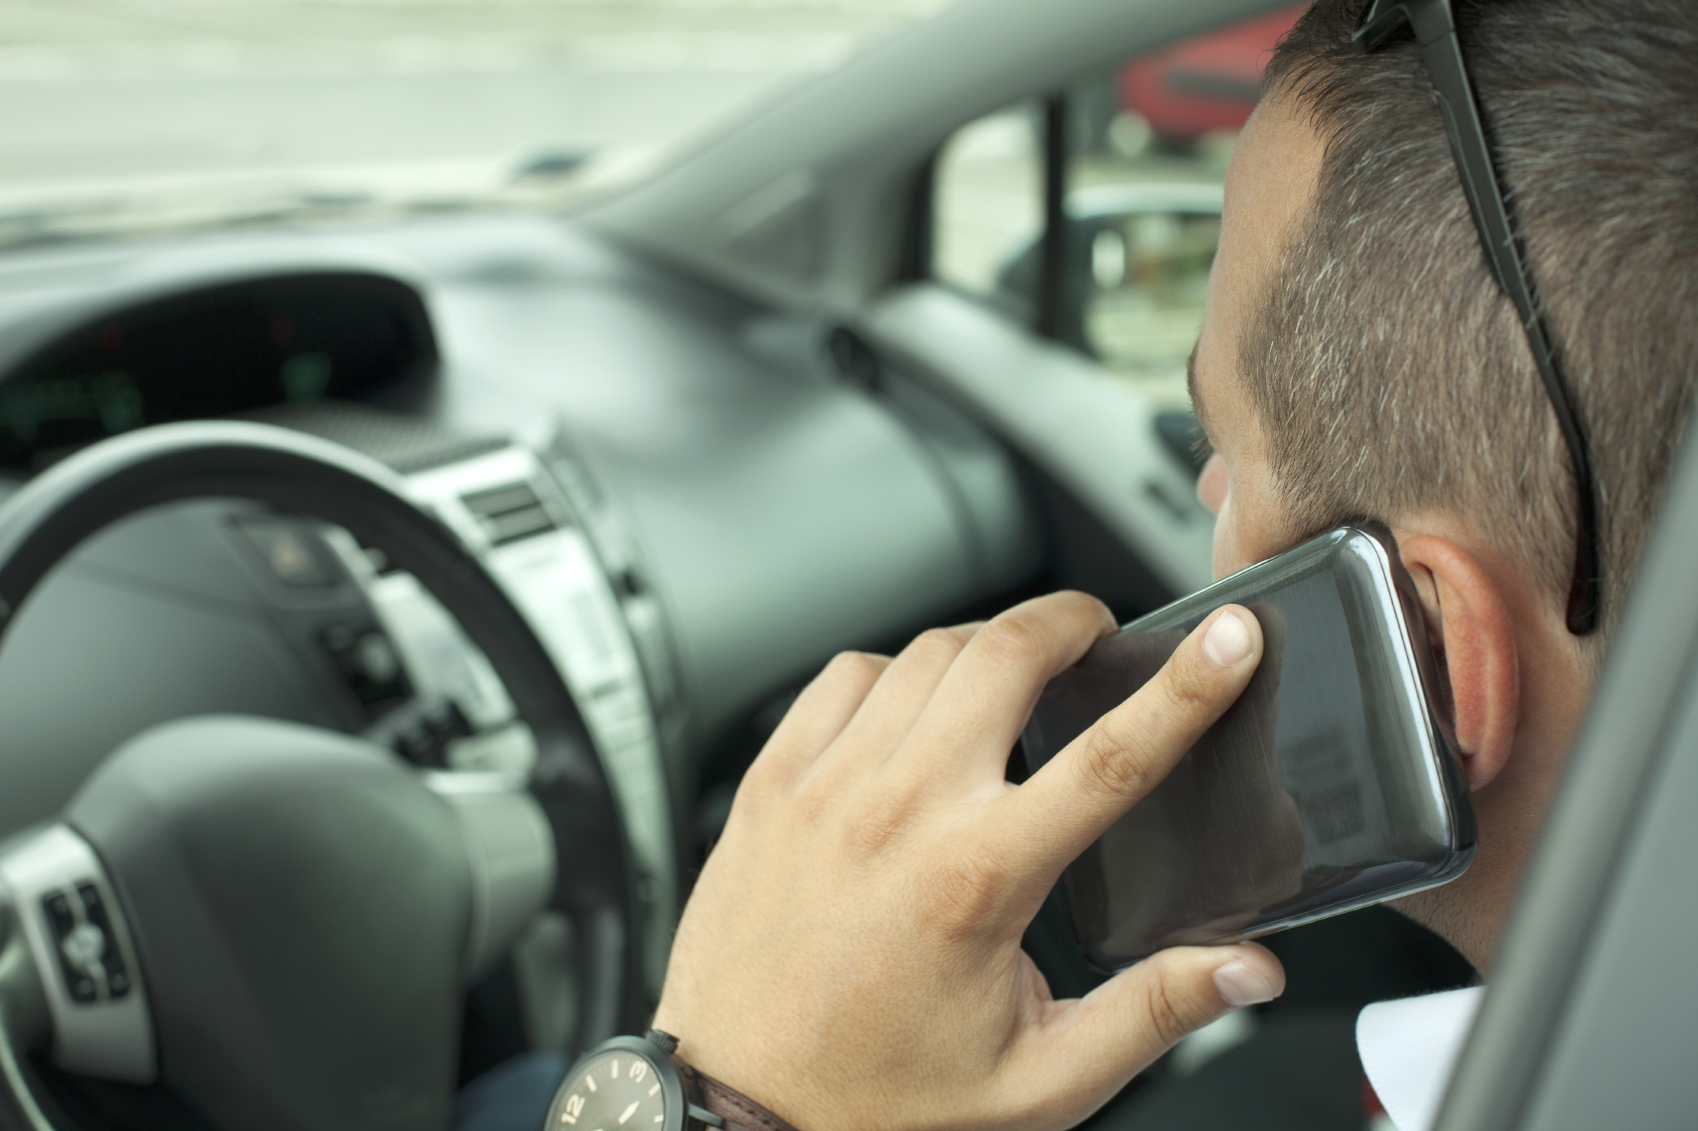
{"points": [[452, 91]]}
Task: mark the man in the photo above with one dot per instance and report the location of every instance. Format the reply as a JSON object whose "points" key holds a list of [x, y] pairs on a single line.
{"points": [[850, 957]]}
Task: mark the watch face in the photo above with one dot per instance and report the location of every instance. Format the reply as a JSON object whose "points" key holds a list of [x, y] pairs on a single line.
{"points": [[608, 1091]]}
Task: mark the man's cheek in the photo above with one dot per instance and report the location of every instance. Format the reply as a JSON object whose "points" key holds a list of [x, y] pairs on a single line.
{"points": [[1213, 484], [1239, 543], [1225, 547]]}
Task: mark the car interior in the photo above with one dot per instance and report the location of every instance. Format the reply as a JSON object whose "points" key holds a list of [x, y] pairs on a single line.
{"points": [[390, 605]]}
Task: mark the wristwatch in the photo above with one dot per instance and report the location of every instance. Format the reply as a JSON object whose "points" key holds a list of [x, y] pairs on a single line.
{"points": [[636, 1084]]}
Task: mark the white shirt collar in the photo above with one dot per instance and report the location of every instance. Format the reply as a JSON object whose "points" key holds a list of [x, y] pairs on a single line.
{"points": [[1409, 1048]]}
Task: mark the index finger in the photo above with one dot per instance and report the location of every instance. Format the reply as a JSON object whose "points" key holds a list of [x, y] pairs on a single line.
{"points": [[985, 696], [1109, 768]]}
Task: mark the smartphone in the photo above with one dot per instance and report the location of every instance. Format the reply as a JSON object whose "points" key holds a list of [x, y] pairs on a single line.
{"points": [[1329, 785]]}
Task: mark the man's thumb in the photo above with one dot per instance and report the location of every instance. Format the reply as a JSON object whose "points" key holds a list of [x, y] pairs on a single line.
{"points": [[1145, 1010]]}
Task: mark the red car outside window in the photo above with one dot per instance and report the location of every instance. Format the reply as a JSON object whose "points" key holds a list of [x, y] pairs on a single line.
{"points": [[1207, 83]]}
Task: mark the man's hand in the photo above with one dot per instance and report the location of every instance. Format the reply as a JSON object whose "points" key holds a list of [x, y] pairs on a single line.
{"points": [[851, 955]]}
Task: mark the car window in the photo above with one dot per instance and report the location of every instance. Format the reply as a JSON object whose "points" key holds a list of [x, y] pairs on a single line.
{"points": [[988, 199], [1093, 213]]}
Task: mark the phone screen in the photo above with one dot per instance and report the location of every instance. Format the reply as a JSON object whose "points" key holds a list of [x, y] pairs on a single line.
{"points": [[1327, 786]]}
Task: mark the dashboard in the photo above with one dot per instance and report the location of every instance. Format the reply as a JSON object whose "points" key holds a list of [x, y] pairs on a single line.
{"points": [[693, 503]]}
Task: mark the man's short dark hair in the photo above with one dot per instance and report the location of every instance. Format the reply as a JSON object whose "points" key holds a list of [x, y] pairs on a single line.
{"points": [[1389, 371]]}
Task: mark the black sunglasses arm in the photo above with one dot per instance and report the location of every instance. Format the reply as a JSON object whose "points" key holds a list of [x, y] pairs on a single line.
{"points": [[1435, 30]]}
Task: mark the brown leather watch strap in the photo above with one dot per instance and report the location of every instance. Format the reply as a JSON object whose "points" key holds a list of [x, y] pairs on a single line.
{"points": [[739, 1111]]}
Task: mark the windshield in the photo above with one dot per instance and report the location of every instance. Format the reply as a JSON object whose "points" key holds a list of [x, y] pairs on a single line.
{"points": [[131, 114]]}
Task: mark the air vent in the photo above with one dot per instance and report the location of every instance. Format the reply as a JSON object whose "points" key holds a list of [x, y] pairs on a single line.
{"points": [[509, 513]]}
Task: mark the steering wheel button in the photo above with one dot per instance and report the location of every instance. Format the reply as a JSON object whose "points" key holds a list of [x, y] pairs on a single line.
{"points": [[58, 910], [376, 658], [111, 958], [293, 554], [368, 663], [446, 720], [84, 947], [93, 910]]}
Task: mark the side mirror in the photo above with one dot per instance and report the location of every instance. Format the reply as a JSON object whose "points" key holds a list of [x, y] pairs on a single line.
{"points": [[1135, 273]]}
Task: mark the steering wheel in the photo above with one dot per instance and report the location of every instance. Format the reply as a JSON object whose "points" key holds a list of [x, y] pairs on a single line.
{"points": [[277, 921]]}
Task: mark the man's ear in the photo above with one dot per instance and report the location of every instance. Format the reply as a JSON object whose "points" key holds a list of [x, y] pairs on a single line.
{"points": [[1473, 641]]}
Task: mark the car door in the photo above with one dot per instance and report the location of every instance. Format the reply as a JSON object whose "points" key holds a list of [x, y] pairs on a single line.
{"points": [[1591, 1017]]}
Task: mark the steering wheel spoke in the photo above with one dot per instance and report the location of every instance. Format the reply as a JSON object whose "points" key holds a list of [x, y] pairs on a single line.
{"points": [[512, 852], [74, 929], [23, 1020]]}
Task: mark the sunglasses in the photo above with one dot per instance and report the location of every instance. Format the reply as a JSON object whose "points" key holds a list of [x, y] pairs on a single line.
{"points": [[1434, 26]]}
